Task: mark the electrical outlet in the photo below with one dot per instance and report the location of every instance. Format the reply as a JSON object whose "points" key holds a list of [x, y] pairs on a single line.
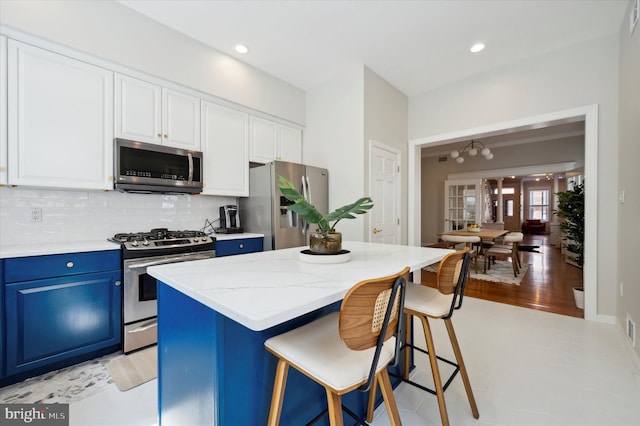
{"points": [[621, 289], [36, 214]]}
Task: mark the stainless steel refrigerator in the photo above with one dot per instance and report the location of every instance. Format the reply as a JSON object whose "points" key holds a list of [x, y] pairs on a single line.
{"points": [[265, 210]]}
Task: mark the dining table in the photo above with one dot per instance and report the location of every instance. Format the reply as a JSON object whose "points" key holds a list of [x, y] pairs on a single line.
{"points": [[483, 233]]}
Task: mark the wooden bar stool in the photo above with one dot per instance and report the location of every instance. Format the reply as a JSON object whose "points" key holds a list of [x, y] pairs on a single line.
{"points": [[346, 351], [439, 303]]}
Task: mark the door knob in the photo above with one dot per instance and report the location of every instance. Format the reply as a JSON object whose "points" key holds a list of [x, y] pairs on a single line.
{"points": [[376, 230]]}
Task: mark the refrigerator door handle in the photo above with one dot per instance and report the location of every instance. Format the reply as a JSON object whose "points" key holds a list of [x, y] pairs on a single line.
{"points": [[308, 190]]}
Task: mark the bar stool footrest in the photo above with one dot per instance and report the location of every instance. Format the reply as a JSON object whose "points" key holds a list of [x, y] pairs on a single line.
{"points": [[418, 385]]}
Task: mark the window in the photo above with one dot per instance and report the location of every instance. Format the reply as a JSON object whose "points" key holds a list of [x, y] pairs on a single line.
{"points": [[539, 204], [505, 191]]}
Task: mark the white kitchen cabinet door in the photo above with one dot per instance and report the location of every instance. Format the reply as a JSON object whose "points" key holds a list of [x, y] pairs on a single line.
{"points": [[289, 144], [3, 110], [225, 149], [138, 110], [180, 120], [60, 120], [262, 140]]}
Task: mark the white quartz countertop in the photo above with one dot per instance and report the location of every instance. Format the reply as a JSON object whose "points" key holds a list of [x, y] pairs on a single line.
{"points": [[261, 290], [42, 249], [223, 237]]}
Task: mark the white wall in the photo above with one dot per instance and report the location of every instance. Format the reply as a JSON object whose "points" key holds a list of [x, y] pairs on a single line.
{"points": [[385, 121], [629, 178], [118, 34], [333, 139], [69, 216], [581, 75]]}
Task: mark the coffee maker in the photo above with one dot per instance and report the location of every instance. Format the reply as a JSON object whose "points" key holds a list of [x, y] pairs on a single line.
{"points": [[229, 220]]}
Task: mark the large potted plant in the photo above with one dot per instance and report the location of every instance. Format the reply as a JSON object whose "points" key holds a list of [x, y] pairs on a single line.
{"points": [[325, 239], [571, 208]]}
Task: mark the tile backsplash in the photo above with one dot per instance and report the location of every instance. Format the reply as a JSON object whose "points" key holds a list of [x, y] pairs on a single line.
{"points": [[92, 215]]}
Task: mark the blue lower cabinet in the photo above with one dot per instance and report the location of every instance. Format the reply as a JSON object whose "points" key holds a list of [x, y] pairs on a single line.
{"points": [[50, 320], [239, 246]]}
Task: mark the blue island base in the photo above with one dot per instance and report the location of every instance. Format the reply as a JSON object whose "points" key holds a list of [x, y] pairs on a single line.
{"points": [[214, 371]]}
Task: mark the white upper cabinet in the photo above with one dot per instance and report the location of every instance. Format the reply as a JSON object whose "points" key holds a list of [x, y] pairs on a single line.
{"points": [[60, 120], [147, 112], [273, 141], [138, 110], [3, 110], [263, 135], [180, 120], [225, 147], [289, 144]]}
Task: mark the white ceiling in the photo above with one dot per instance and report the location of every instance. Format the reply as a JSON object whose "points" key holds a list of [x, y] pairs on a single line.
{"points": [[415, 45]]}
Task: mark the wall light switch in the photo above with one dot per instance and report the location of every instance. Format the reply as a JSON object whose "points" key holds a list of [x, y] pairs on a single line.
{"points": [[622, 196]]}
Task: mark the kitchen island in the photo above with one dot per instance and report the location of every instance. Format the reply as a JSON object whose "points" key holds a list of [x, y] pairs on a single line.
{"points": [[215, 314]]}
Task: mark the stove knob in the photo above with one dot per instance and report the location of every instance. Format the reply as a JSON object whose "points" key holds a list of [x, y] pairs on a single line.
{"points": [[145, 243], [134, 244]]}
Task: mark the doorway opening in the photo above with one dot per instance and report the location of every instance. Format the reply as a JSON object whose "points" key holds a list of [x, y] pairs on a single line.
{"points": [[588, 114]]}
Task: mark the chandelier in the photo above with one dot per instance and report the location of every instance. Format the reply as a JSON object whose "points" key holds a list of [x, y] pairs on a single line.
{"points": [[472, 149]]}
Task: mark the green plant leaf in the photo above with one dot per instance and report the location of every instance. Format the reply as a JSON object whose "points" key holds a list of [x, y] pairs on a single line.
{"points": [[309, 213], [347, 212], [300, 205]]}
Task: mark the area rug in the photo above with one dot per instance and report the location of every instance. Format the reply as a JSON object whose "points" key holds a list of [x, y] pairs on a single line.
{"points": [[501, 272], [132, 370], [64, 386]]}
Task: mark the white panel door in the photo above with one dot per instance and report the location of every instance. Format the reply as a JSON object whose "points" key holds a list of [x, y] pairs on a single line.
{"points": [[180, 120], [262, 140], [60, 120], [225, 147], [3, 110], [289, 144], [384, 171], [138, 110], [462, 203]]}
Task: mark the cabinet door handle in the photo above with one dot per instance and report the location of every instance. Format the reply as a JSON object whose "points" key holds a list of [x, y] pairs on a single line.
{"points": [[118, 283], [376, 230], [159, 135], [241, 245], [69, 264], [166, 136]]}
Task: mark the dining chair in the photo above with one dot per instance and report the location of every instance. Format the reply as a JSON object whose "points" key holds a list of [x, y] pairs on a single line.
{"points": [[439, 303], [347, 350], [474, 243], [507, 250]]}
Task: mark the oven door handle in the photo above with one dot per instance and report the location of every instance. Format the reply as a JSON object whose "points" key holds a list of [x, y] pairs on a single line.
{"points": [[138, 265], [145, 327]]}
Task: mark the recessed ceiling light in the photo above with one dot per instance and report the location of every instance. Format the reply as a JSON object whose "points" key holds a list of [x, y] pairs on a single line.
{"points": [[241, 48], [478, 47]]}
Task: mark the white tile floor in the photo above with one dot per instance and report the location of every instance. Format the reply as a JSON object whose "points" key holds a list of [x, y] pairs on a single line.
{"points": [[526, 368]]}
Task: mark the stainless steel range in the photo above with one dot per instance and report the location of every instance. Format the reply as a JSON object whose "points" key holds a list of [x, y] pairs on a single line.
{"points": [[140, 251]]}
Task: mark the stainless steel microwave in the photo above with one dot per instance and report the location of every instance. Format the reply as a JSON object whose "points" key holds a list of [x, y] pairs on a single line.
{"points": [[144, 167]]}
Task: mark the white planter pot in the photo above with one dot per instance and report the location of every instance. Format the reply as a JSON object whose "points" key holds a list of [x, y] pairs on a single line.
{"points": [[578, 296]]}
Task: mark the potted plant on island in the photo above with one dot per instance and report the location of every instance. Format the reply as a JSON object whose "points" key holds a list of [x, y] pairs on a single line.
{"points": [[325, 240], [571, 208]]}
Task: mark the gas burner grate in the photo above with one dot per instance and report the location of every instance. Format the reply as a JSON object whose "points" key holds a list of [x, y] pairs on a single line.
{"points": [[155, 235]]}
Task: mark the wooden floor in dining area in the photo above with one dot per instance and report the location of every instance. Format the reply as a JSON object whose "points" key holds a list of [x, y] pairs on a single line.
{"points": [[546, 286]]}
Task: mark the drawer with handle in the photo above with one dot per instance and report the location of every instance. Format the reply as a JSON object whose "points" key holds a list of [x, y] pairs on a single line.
{"points": [[58, 265]]}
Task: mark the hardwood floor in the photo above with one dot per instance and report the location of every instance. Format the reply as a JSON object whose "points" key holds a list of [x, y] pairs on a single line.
{"points": [[547, 285]]}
